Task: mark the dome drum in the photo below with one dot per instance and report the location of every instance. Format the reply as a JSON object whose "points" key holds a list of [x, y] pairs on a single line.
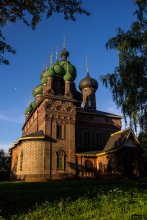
{"points": [[68, 89], [50, 86]]}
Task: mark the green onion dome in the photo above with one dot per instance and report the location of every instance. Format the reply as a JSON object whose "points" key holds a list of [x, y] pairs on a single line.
{"points": [[68, 77], [50, 72], [28, 109], [38, 90], [42, 74], [71, 69], [88, 82], [44, 80], [33, 104], [59, 70]]}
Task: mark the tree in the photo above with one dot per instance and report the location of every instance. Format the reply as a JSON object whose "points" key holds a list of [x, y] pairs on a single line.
{"points": [[128, 82], [143, 140], [13, 10], [4, 161]]}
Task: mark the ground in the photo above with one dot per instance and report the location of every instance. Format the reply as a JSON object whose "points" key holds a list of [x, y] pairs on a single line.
{"points": [[74, 199]]}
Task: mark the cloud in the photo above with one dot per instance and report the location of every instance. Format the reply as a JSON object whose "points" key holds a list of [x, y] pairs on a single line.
{"points": [[19, 119]]}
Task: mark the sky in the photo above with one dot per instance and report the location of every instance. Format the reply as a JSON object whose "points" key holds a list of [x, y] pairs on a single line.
{"points": [[85, 37]]}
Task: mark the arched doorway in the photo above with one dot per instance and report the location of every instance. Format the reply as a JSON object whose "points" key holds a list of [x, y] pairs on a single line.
{"points": [[89, 169]]}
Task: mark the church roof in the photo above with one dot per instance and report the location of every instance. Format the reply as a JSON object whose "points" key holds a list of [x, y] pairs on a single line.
{"points": [[39, 133], [101, 113], [91, 153], [115, 142], [34, 136], [117, 139]]}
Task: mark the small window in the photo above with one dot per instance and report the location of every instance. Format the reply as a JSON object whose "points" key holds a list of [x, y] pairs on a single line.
{"points": [[61, 160], [59, 131]]}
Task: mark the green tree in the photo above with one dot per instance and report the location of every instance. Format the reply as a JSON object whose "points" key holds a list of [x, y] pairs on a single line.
{"points": [[128, 82], [13, 10], [4, 161], [143, 141]]}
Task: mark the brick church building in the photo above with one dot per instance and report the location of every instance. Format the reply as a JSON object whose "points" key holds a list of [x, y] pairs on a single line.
{"points": [[64, 136]]}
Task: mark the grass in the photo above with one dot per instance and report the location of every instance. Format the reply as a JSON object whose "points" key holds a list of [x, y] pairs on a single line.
{"points": [[74, 199]]}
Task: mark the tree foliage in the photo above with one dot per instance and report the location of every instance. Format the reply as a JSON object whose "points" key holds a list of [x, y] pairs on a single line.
{"points": [[143, 141], [128, 82], [13, 10], [4, 161]]}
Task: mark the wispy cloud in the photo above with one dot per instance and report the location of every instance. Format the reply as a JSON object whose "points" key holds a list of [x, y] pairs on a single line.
{"points": [[18, 119]]}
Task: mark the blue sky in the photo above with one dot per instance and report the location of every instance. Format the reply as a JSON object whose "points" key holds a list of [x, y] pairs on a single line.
{"points": [[86, 36]]}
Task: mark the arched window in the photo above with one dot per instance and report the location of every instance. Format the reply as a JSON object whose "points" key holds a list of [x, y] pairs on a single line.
{"points": [[61, 160], [88, 166]]}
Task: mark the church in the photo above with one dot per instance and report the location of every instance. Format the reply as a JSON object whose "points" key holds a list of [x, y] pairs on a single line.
{"points": [[65, 136]]}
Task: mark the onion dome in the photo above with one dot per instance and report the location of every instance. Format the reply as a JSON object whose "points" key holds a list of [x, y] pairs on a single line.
{"points": [[43, 77], [71, 70], [68, 77], [42, 74], [50, 72], [38, 90], [44, 80], [88, 82], [64, 54], [59, 70], [33, 104], [28, 109]]}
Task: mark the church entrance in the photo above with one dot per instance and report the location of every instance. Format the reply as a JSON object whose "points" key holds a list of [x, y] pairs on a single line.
{"points": [[89, 169], [128, 165]]}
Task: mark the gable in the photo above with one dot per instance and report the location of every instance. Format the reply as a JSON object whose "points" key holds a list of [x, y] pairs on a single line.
{"points": [[123, 138], [129, 143]]}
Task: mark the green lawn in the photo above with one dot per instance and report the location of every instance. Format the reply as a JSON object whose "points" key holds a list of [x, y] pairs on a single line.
{"points": [[74, 199]]}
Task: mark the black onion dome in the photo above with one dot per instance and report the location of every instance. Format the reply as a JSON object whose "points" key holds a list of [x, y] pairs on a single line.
{"points": [[64, 54], [88, 82]]}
